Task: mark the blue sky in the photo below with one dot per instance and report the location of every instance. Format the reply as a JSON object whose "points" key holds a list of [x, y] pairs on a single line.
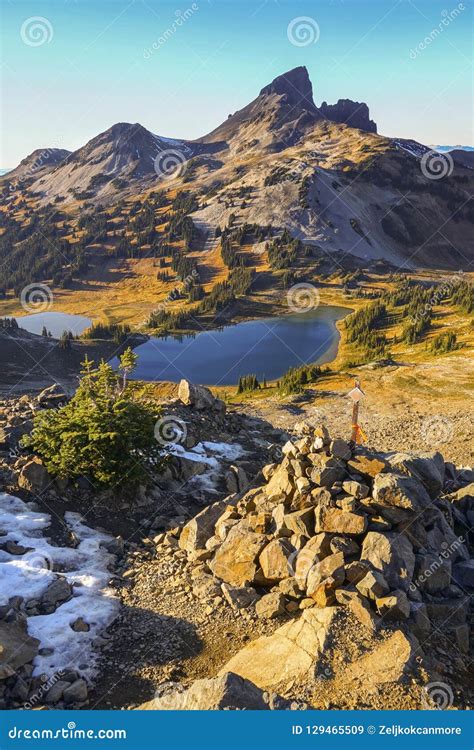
{"points": [[95, 66]]}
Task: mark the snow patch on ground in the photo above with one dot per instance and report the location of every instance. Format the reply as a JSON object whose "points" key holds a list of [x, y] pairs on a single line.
{"points": [[411, 147], [211, 454], [29, 575]]}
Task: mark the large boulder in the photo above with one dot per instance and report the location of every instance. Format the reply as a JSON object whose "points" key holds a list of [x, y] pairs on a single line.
{"points": [[432, 573], [235, 561], [330, 567], [197, 396], [281, 486], [197, 531], [400, 492], [226, 691], [16, 647], [391, 554], [34, 476], [340, 521], [428, 468], [275, 560], [291, 653]]}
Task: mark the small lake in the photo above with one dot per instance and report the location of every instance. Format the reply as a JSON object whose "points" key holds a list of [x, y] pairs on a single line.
{"points": [[55, 322], [265, 347]]}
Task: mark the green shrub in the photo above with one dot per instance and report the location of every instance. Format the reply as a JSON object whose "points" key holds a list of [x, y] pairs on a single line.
{"points": [[105, 432]]}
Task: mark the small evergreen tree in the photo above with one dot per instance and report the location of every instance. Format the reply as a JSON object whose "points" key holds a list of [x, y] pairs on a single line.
{"points": [[105, 432]]}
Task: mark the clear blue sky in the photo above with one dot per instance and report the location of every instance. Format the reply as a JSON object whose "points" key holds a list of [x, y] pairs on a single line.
{"points": [[95, 70]]}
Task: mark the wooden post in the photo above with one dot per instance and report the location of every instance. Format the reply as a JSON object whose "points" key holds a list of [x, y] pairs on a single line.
{"points": [[355, 422], [356, 394]]}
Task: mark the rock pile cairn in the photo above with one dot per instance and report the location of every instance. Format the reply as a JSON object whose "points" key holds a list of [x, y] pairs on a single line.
{"points": [[384, 535]]}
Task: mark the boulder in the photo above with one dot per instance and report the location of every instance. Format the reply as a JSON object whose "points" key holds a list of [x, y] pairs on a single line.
{"points": [[290, 587], [55, 693], [427, 468], [356, 570], [355, 489], [228, 691], [373, 585], [432, 573], [16, 647], [391, 554], [306, 559], [331, 471], [346, 545], [300, 522], [197, 531], [339, 521], [57, 592], [274, 560], [463, 574], [197, 396], [420, 624], [271, 605], [324, 594], [331, 566], [280, 487], [368, 465], [394, 607], [291, 653], [76, 692], [235, 561], [239, 598], [340, 449], [34, 477], [405, 493]]}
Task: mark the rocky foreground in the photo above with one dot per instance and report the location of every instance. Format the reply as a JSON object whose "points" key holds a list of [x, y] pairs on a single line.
{"points": [[333, 577]]}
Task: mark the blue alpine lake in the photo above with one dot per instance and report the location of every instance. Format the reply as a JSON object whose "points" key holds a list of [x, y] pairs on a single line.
{"points": [[264, 347], [55, 323]]}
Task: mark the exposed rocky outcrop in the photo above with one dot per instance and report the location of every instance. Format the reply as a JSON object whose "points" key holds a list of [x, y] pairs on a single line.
{"points": [[354, 114]]}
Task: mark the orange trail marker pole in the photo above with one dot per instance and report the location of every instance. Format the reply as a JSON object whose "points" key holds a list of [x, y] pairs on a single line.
{"points": [[356, 394]]}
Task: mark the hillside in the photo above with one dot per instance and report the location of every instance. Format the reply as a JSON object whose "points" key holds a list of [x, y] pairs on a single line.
{"points": [[323, 174]]}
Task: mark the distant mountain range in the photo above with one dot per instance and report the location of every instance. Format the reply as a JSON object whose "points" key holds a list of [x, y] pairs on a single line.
{"points": [[321, 172]]}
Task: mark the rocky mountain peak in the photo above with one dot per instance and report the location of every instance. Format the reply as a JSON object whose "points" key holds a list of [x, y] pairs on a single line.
{"points": [[354, 114], [294, 85]]}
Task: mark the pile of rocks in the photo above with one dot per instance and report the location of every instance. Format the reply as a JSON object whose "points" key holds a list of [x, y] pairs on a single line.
{"points": [[384, 536]]}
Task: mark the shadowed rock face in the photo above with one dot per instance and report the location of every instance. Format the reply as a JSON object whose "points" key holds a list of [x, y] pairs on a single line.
{"points": [[295, 85], [354, 114]]}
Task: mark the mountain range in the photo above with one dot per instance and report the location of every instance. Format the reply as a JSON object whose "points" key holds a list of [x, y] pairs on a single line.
{"points": [[321, 172]]}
